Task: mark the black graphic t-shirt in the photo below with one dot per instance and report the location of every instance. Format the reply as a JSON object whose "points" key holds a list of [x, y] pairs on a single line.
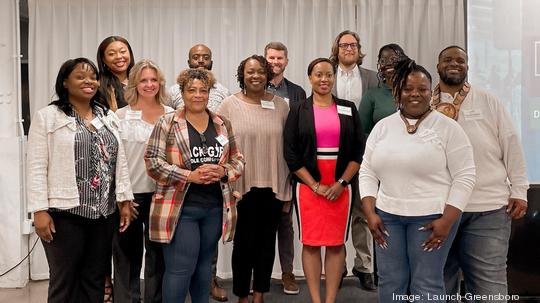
{"points": [[204, 149]]}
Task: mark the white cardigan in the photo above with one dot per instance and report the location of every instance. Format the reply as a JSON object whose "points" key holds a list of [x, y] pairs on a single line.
{"points": [[50, 160]]}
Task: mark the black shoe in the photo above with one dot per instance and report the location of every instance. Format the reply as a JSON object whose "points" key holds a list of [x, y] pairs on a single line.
{"points": [[343, 275], [366, 280]]}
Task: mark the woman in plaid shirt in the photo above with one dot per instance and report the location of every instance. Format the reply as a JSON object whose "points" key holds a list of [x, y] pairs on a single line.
{"points": [[192, 154]]}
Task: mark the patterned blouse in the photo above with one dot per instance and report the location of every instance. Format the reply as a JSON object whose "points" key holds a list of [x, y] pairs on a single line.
{"points": [[95, 166]]}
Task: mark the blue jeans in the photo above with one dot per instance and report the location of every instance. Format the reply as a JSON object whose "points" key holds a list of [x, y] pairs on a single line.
{"points": [[405, 270], [480, 251], [188, 258]]}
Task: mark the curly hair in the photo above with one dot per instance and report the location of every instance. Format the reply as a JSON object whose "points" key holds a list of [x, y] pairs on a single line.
{"points": [[335, 47], [131, 94], [186, 77], [265, 65], [404, 68], [62, 92]]}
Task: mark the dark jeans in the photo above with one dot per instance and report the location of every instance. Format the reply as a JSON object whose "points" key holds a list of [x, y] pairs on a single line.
{"points": [[255, 241], [188, 257], [78, 258], [128, 255]]}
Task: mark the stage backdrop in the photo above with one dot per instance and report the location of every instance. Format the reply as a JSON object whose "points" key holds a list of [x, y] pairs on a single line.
{"points": [[164, 30]]}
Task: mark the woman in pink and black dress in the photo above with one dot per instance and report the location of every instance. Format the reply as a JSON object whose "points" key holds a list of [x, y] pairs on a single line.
{"points": [[324, 143]]}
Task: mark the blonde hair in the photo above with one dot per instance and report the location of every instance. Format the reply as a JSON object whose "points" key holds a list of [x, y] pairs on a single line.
{"points": [[131, 95]]}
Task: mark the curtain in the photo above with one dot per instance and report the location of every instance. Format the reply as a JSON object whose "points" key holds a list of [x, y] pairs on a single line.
{"points": [[164, 30]]}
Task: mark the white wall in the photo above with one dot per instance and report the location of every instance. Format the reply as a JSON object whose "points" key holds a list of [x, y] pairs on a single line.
{"points": [[14, 243]]}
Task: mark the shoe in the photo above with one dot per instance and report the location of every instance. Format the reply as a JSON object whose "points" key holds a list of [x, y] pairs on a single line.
{"points": [[108, 293], [290, 287], [366, 280], [343, 275], [218, 293]]}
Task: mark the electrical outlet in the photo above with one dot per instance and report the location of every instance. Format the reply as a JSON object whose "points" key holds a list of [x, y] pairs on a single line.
{"points": [[27, 227]]}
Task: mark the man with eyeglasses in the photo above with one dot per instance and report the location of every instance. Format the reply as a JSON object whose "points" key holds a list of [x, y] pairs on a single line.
{"points": [[352, 82]]}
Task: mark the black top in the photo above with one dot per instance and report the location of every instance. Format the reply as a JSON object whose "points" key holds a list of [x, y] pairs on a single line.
{"points": [[300, 146], [204, 149], [295, 93]]}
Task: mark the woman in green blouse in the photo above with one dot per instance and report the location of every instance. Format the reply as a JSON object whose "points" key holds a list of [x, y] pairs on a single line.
{"points": [[378, 102]]}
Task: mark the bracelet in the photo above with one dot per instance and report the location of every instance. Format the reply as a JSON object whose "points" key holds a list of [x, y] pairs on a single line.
{"points": [[316, 187]]}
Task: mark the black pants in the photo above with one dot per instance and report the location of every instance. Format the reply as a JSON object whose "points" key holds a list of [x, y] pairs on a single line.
{"points": [[128, 256], [255, 241], [78, 258]]}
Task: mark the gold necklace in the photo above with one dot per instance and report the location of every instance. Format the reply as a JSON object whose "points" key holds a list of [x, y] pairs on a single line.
{"points": [[450, 109], [412, 128]]}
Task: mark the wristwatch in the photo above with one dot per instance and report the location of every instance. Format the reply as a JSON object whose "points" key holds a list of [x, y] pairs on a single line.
{"points": [[343, 182]]}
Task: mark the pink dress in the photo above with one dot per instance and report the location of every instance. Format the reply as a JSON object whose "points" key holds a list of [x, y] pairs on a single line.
{"points": [[324, 222]]}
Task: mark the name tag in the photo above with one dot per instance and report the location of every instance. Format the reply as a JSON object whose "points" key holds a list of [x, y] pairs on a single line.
{"points": [[286, 100], [268, 104], [134, 115], [344, 110], [222, 140], [472, 114], [97, 123]]}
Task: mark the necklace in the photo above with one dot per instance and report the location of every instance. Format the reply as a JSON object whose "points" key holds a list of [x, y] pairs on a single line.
{"points": [[450, 109], [412, 128]]}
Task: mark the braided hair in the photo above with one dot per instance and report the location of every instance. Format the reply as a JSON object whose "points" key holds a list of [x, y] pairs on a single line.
{"points": [[404, 68], [400, 53]]}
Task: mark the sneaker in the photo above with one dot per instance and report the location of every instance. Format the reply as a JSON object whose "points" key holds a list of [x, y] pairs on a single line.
{"points": [[290, 287]]}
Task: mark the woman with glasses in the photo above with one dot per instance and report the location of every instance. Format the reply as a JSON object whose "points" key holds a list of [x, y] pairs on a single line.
{"points": [[258, 118], [378, 102], [193, 156]]}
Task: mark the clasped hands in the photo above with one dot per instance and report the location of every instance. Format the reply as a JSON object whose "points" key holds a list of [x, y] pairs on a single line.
{"points": [[207, 174], [330, 192]]}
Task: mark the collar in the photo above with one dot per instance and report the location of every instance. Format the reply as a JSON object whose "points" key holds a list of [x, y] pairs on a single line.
{"points": [[355, 72]]}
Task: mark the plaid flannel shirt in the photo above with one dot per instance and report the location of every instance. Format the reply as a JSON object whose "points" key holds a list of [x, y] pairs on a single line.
{"points": [[167, 161]]}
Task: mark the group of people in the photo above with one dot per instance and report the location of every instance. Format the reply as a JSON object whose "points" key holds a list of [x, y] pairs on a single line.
{"points": [[426, 180]]}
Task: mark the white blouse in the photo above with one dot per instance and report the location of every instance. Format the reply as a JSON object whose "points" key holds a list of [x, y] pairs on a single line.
{"points": [[135, 132]]}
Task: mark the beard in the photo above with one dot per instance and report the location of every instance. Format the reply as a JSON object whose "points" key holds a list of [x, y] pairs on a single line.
{"points": [[452, 80], [207, 67]]}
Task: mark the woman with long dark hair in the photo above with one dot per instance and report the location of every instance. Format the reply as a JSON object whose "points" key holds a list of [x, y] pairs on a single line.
{"points": [[115, 60]]}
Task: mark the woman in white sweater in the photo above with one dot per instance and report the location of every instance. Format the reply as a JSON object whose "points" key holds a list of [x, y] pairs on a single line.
{"points": [[416, 178]]}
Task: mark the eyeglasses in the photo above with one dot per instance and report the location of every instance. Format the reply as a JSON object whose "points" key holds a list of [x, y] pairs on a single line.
{"points": [[204, 145], [388, 61], [347, 45]]}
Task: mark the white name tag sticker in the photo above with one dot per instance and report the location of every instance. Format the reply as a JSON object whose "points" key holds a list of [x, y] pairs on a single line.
{"points": [[472, 114], [97, 123], [222, 140], [268, 104], [133, 115], [286, 100], [344, 110]]}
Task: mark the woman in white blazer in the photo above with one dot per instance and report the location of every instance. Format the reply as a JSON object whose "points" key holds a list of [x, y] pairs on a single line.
{"points": [[77, 175]]}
